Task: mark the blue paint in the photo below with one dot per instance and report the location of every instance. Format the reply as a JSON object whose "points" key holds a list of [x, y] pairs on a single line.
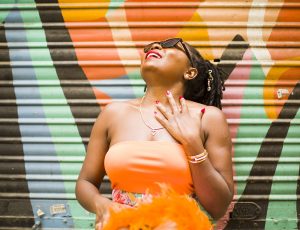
{"points": [[35, 186], [115, 91]]}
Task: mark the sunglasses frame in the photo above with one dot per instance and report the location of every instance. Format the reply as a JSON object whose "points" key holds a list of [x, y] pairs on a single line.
{"points": [[169, 43]]}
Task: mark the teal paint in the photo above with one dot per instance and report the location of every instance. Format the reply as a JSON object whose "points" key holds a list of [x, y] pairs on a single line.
{"points": [[62, 111], [278, 212], [247, 112]]}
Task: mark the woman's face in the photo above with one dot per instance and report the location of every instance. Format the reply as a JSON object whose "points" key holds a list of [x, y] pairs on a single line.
{"points": [[164, 64]]}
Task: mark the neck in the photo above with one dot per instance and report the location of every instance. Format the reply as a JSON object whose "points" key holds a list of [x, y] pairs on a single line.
{"points": [[159, 94]]}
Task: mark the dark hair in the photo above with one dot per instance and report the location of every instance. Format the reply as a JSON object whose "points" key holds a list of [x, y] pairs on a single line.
{"points": [[197, 88]]}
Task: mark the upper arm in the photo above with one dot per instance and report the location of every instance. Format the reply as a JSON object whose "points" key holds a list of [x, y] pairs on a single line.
{"points": [[218, 143], [93, 166]]}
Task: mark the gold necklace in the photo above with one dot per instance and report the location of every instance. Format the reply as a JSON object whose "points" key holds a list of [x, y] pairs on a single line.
{"points": [[154, 131]]}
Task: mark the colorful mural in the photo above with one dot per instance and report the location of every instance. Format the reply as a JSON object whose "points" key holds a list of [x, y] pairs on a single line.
{"points": [[62, 61]]}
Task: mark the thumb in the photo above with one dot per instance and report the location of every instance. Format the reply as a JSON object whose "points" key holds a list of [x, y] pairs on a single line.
{"points": [[98, 226], [105, 218]]}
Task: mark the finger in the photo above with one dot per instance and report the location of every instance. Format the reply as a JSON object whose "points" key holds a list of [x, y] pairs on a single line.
{"points": [[183, 104], [105, 219], [162, 109], [202, 111], [167, 225], [98, 226], [172, 102], [161, 119]]}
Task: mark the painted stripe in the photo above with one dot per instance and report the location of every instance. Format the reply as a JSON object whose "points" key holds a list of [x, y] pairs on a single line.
{"points": [[81, 218], [72, 206], [266, 151], [114, 91], [232, 52], [34, 92], [275, 215], [12, 207], [125, 35], [74, 73], [257, 16], [298, 200], [256, 73]]}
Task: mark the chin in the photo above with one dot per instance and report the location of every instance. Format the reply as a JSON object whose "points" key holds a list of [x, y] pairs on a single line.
{"points": [[151, 70]]}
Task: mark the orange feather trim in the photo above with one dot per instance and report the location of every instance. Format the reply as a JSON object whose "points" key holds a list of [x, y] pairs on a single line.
{"points": [[168, 206]]}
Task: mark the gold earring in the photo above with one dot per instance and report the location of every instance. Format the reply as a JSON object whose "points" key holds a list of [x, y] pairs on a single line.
{"points": [[209, 80], [187, 76]]}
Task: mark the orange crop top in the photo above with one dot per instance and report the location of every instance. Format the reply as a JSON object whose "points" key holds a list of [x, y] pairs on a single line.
{"points": [[139, 166]]}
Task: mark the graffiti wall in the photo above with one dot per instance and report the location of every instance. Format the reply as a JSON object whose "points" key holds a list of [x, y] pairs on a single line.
{"points": [[62, 61]]}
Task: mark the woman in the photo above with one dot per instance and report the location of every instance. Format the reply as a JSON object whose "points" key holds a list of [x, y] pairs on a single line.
{"points": [[175, 134]]}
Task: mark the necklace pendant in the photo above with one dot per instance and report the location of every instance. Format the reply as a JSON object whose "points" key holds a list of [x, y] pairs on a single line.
{"points": [[154, 132]]}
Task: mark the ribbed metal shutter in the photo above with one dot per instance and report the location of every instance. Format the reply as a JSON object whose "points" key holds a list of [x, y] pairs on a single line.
{"points": [[62, 61]]}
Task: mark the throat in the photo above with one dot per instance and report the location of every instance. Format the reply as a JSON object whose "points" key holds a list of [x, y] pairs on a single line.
{"points": [[153, 129]]}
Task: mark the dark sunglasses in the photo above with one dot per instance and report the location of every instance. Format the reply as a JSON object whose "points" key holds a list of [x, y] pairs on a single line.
{"points": [[172, 42]]}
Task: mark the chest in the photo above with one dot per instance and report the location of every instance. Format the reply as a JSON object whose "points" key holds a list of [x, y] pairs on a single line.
{"points": [[135, 125]]}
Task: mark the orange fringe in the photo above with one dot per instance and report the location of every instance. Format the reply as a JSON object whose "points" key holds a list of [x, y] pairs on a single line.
{"points": [[181, 209]]}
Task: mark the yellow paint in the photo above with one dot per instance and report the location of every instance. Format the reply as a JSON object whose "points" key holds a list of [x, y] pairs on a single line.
{"points": [[196, 34], [275, 74], [85, 14]]}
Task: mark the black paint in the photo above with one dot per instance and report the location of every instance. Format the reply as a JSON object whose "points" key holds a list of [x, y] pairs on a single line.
{"points": [[69, 73], [268, 150], [19, 210]]}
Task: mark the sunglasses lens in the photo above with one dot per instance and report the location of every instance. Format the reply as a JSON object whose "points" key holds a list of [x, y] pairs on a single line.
{"points": [[148, 47], [186, 50], [165, 44], [170, 43]]}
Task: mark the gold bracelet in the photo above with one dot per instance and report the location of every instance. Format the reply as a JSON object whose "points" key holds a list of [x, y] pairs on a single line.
{"points": [[199, 158], [198, 155]]}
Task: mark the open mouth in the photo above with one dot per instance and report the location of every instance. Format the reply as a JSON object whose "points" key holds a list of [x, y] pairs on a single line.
{"points": [[153, 54]]}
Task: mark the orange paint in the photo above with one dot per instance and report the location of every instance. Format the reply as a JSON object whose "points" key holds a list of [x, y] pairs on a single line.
{"points": [[284, 80], [92, 34], [180, 15], [74, 14], [281, 74]]}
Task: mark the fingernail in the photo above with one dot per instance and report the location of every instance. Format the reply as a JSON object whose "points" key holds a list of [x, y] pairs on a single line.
{"points": [[155, 112], [157, 101], [168, 92], [203, 110], [180, 97]]}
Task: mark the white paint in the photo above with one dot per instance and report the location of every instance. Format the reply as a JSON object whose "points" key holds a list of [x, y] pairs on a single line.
{"points": [[256, 35], [123, 34]]}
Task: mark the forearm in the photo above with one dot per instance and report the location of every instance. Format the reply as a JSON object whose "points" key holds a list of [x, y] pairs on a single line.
{"points": [[89, 196], [211, 188]]}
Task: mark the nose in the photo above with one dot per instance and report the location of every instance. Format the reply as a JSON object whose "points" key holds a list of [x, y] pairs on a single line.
{"points": [[156, 46]]}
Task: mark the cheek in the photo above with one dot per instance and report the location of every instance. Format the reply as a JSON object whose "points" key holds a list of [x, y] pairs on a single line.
{"points": [[142, 57], [173, 63], [177, 60]]}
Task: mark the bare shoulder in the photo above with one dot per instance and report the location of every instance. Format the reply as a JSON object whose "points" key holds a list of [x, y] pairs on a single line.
{"points": [[213, 113], [117, 109], [215, 125], [213, 119]]}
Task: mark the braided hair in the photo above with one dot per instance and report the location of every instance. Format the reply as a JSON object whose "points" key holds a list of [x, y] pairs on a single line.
{"points": [[208, 86]]}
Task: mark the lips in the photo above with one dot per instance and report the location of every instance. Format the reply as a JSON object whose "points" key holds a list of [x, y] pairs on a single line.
{"points": [[153, 54]]}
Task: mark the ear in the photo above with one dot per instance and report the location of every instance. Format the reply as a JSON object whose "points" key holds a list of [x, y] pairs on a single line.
{"points": [[190, 74]]}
